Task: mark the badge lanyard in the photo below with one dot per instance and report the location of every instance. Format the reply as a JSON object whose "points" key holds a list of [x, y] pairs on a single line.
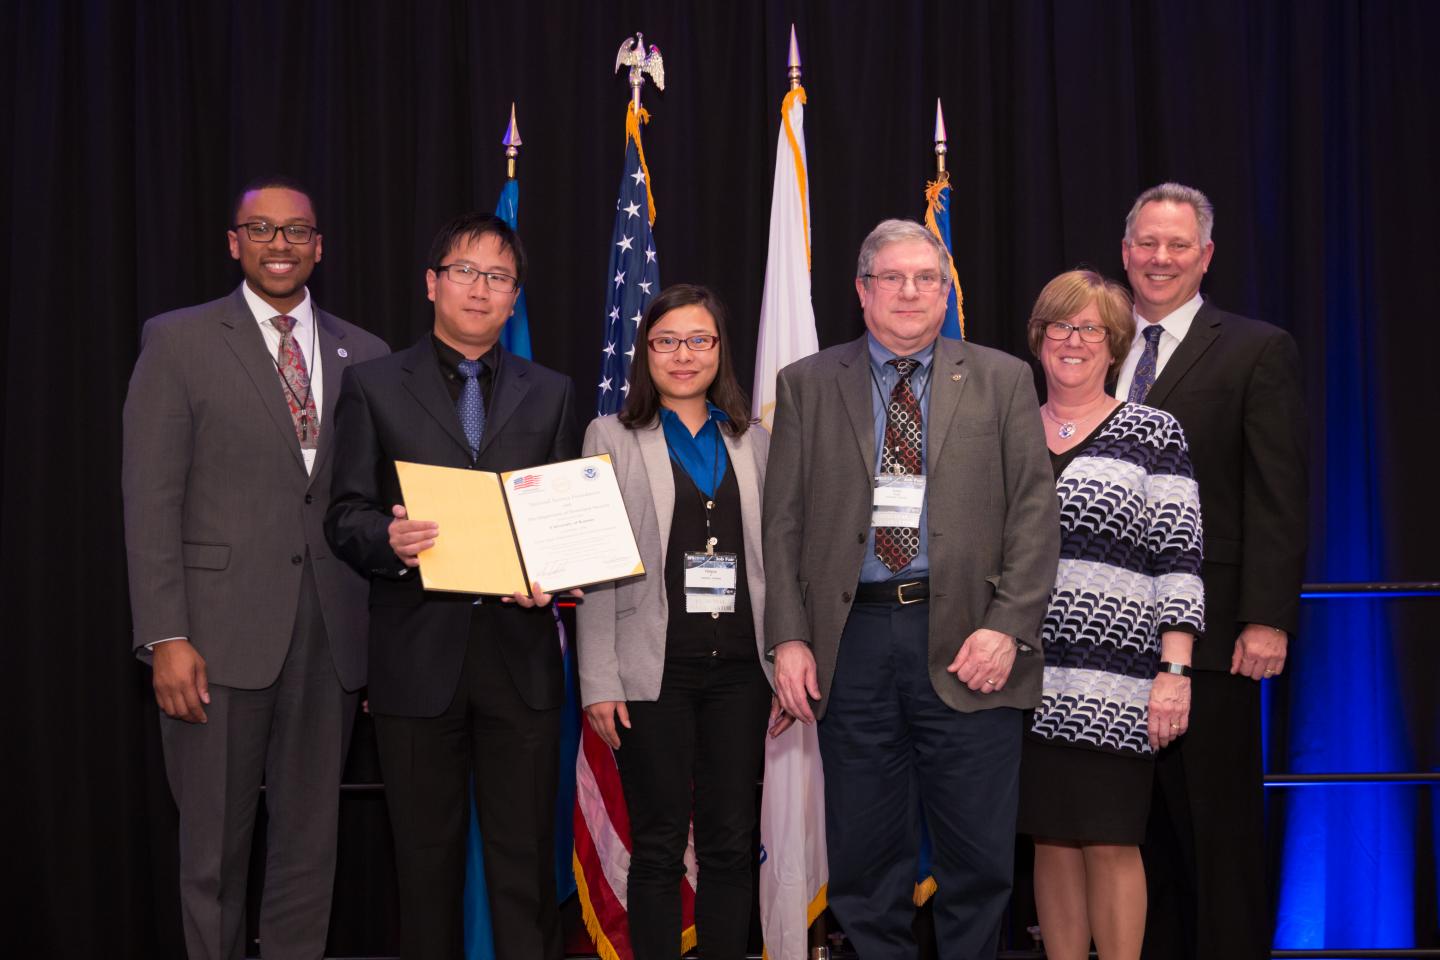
{"points": [[301, 402], [710, 577], [899, 497]]}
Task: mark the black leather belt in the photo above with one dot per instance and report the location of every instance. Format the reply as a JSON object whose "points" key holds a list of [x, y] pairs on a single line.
{"points": [[902, 592]]}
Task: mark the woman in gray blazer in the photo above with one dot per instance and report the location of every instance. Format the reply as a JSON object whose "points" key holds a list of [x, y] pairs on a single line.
{"points": [[671, 668]]}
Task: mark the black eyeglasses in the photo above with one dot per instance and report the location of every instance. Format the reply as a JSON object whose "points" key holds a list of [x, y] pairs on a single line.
{"points": [[1090, 333], [262, 231], [466, 276], [698, 343]]}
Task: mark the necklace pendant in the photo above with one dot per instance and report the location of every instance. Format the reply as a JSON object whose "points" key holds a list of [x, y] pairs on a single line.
{"points": [[1067, 430]]}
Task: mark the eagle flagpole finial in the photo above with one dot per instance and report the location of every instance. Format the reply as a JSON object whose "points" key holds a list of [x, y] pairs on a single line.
{"points": [[640, 61]]}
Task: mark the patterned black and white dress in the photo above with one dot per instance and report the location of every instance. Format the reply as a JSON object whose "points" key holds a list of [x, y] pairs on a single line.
{"points": [[1129, 571]]}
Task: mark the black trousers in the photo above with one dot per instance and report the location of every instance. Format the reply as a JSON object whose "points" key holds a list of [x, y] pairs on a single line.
{"points": [[1205, 845], [889, 746], [514, 753], [699, 746]]}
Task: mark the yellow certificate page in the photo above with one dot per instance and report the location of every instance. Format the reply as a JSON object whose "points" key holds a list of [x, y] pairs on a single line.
{"points": [[475, 550]]}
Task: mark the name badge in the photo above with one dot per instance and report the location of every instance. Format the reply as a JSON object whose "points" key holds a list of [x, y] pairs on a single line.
{"points": [[710, 582], [898, 500]]}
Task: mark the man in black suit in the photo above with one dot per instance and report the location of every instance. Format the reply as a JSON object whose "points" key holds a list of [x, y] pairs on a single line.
{"points": [[459, 686], [1234, 385], [255, 631]]}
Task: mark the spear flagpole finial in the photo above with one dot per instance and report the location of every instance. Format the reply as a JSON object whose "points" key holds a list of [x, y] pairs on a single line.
{"points": [[512, 144], [940, 145], [793, 62]]}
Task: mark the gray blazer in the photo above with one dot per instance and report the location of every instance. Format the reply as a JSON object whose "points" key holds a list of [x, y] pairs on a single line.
{"points": [[622, 625], [219, 511], [994, 525]]}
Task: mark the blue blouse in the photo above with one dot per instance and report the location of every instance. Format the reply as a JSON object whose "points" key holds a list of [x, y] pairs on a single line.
{"points": [[702, 455]]}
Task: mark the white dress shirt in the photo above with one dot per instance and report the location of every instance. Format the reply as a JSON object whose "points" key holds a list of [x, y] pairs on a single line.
{"points": [[305, 334], [1175, 326]]}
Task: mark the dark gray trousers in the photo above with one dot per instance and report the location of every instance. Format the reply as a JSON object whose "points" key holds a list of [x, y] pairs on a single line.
{"points": [[292, 735]]}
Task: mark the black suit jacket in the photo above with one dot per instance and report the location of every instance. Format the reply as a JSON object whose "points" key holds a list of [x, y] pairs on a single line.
{"points": [[1234, 385], [397, 408]]}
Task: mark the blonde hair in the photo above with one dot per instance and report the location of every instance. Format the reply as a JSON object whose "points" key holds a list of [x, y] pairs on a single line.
{"points": [[1072, 292]]}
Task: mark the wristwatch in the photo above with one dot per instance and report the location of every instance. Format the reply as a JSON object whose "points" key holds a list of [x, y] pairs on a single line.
{"points": [[1179, 669]]}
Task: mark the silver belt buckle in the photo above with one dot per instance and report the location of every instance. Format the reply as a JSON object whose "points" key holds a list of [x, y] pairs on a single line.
{"points": [[900, 593]]}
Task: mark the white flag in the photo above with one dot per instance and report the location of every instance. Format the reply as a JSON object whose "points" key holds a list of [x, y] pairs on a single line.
{"points": [[793, 868], [787, 318]]}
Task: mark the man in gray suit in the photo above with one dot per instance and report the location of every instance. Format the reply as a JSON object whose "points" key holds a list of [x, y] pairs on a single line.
{"points": [[911, 539], [256, 633]]}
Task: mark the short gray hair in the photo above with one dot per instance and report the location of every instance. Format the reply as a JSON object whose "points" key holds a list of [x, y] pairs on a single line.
{"points": [[1175, 193], [887, 232]]}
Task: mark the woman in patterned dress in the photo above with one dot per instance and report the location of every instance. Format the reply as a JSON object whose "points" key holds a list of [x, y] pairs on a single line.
{"points": [[1124, 614]]}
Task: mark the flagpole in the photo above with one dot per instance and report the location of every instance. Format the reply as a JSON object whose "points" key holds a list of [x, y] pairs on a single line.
{"points": [[512, 144]]}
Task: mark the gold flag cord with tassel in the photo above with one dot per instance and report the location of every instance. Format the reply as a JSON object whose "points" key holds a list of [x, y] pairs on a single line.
{"points": [[632, 132], [932, 203], [790, 98]]}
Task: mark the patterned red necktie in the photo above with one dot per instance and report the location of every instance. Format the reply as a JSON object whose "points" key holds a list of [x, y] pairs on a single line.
{"points": [[290, 363], [904, 453]]}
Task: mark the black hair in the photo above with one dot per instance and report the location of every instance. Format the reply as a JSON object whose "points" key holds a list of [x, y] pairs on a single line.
{"points": [[473, 226], [642, 405], [278, 181]]}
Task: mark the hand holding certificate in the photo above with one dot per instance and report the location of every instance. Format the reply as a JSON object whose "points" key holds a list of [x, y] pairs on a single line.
{"points": [[561, 525]]}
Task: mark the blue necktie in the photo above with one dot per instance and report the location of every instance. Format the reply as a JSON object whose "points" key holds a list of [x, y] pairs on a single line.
{"points": [[471, 406], [1145, 369]]}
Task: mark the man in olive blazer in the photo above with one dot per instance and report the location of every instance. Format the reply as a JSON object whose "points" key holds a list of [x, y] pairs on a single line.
{"points": [[255, 630], [917, 675]]}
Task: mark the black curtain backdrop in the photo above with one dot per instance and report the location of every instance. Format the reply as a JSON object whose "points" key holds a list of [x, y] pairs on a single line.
{"points": [[127, 127]]}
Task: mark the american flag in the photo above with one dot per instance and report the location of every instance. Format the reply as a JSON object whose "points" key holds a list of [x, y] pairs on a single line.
{"points": [[602, 823], [525, 481], [634, 277]]}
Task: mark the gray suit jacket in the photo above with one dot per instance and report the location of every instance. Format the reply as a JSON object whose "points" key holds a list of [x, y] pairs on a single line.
{"points": [[219, 511], [622, 625], [994, 525]]}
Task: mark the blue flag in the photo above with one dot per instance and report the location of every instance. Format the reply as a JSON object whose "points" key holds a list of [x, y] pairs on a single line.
{"points": [[937, 219], [515, 335], [479, 935], [634, 275]]}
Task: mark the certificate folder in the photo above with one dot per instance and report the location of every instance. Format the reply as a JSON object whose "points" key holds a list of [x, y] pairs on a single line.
{"points": [[562, 525]]}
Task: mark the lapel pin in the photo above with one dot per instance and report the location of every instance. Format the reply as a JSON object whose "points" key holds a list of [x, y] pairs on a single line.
{"points": [[956, 377], [341, 351]]}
